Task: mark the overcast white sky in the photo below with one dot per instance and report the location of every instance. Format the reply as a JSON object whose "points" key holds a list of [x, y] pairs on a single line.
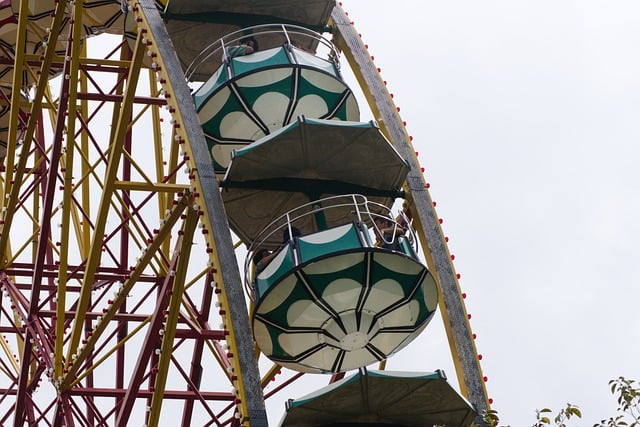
{"points": [[526, 115]]}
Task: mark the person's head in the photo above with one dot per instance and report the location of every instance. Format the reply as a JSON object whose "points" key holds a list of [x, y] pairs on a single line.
{"points": [[381, 222], [259, 255], [251, 42]]}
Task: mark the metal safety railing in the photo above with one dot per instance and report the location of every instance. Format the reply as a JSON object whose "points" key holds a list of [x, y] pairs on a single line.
{"points": [[354, 207], [268, 36]]}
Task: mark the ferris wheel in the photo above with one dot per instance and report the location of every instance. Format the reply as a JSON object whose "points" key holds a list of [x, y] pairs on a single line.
{"points": [[149, 160]]}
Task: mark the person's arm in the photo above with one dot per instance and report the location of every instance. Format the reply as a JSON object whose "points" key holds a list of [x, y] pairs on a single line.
{"points": [[233, 51], [267, 259]]}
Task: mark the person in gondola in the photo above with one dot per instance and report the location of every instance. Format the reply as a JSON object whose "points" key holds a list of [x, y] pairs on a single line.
{"points": [[263, 257], [387, 233], [248, 45]]}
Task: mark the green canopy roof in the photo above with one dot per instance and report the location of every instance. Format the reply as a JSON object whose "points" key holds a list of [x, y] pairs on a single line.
{"points": [[194, 24], [383, 397], [304, 161]]}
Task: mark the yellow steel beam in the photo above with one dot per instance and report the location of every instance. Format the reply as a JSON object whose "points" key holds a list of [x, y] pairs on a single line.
{"points": [[81, 227], [170, 189], [163, 199], [171, 322], [174, 150], [269, 375], [67, 202], [84, 232], [16, 98]]}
